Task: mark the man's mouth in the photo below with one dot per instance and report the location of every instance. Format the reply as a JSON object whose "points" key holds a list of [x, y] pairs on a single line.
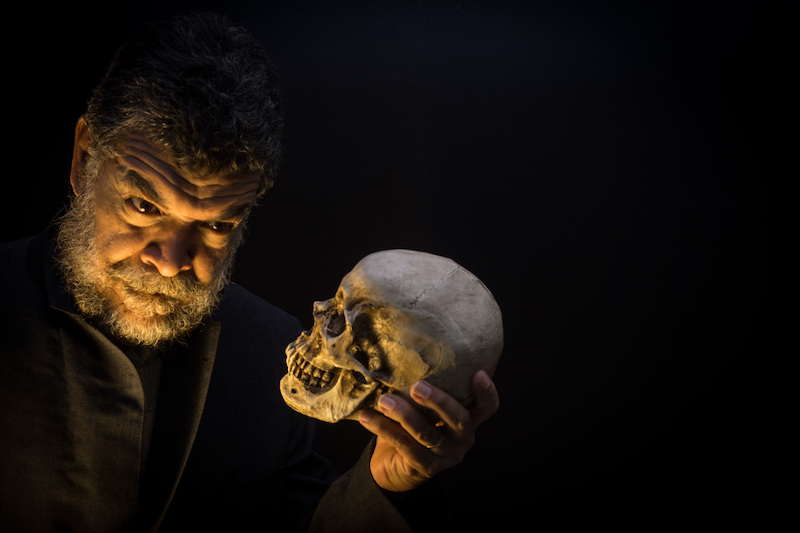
{"points": [[146, 302]]}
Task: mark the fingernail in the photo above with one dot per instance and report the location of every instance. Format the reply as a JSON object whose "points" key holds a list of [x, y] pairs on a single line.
{"points": [[422, 389], [364, 417], [386, 403], [482, 380]]}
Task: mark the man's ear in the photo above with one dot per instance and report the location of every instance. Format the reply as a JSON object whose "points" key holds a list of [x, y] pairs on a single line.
{"points": [[80, 152]]}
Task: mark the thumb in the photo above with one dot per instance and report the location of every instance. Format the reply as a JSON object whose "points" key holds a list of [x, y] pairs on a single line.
{"points": [[487, 401]]}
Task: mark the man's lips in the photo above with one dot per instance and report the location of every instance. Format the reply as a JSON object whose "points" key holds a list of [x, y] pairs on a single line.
{"points": [[145, 302]]}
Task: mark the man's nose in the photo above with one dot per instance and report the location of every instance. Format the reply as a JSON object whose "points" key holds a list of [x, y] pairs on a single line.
{"points": [[171, 252]]}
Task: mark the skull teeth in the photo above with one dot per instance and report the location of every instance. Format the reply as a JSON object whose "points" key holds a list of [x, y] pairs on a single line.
{"points": [[310, 375]]}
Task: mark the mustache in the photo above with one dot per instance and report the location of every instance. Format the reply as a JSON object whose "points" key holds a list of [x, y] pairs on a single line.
{"points": [[182, 287]]}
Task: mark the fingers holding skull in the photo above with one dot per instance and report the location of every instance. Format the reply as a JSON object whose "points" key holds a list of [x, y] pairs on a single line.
{"points": [[411, 447], [447, 422], [456, 423]]}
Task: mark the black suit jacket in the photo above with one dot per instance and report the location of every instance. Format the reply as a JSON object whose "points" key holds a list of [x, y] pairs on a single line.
{"points": [[226, 452]]}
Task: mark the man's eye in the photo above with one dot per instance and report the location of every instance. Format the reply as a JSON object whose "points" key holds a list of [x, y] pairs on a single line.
{"points": [[221, 228], [142, 206]]}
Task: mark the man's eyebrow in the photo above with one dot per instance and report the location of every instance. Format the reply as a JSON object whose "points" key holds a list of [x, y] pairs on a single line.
{"points": [[236, 213], [133, 179]]}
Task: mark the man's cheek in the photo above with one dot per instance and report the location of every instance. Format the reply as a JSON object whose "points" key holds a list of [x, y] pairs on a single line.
{"points": [[210, 265], [120, 244]]}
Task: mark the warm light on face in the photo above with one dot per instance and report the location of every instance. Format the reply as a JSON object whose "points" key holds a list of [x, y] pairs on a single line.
{"points": [[147, 248]]}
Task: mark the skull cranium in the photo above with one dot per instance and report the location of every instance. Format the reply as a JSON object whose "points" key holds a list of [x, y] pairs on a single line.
{"points": [[399, 316]]}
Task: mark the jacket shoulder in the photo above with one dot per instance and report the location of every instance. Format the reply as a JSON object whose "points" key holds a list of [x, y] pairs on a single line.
{"points": [[254, 333], [241, 309]]}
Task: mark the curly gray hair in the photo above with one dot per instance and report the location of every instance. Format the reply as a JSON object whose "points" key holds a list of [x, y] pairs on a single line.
{"points": [[198, 86]]}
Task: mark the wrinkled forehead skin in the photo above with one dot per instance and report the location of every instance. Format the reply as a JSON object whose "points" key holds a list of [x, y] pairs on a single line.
{"points": [[442, 303]]}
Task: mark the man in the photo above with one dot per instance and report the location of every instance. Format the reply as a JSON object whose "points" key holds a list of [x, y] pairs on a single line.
{"points": [[138, 387]]}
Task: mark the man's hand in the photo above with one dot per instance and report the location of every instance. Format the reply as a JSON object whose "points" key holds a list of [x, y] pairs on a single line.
{"points": [[411, 448]]}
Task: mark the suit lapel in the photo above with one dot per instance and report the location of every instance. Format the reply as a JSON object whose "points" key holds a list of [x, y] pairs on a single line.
{"points": [[185, 377], [182, 393]]}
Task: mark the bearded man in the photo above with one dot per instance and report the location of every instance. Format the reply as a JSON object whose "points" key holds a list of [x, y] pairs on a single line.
{"points": [[138, 387]]}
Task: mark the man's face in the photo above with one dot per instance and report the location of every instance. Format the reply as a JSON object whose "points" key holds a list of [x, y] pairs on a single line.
{"points": [[147, 247]]}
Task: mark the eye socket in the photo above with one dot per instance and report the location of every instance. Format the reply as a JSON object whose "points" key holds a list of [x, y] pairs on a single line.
{"points": [[335, 325], [142, 206]]}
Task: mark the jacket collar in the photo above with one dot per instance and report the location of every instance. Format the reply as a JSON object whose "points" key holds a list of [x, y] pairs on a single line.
{"points": [[184, 383], [185, 377]]}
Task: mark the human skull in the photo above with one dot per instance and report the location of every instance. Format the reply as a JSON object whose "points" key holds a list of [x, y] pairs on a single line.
{"points": [[399, 316]]}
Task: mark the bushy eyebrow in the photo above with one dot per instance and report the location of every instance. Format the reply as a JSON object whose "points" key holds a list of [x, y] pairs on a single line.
{"points": [[236, 213], [133, 179]]}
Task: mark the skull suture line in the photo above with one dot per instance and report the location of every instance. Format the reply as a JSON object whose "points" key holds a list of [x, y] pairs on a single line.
{"points": [[399, 316]]}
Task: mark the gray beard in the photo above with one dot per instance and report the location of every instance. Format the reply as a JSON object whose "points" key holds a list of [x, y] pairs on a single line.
{"points": [[164, 309]]}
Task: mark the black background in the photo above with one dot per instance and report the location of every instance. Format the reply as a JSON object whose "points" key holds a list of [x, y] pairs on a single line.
{"points": [[601, 166]]}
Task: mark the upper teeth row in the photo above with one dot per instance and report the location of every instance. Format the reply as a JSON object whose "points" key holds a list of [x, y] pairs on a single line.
{"points": [[303, 370]]}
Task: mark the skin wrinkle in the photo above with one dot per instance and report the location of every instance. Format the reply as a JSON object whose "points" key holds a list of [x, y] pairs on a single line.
{"points": [[203, 208], [151, 277], [203, 193]]}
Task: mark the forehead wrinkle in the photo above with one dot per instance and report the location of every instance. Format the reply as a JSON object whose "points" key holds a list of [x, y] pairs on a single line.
{"points": [[229, 207], [221, 208], [137, 152], [211, 198]]}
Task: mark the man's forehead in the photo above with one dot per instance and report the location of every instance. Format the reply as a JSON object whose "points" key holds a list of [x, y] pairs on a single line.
{"points": [[147, 162], [153, 170]]}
